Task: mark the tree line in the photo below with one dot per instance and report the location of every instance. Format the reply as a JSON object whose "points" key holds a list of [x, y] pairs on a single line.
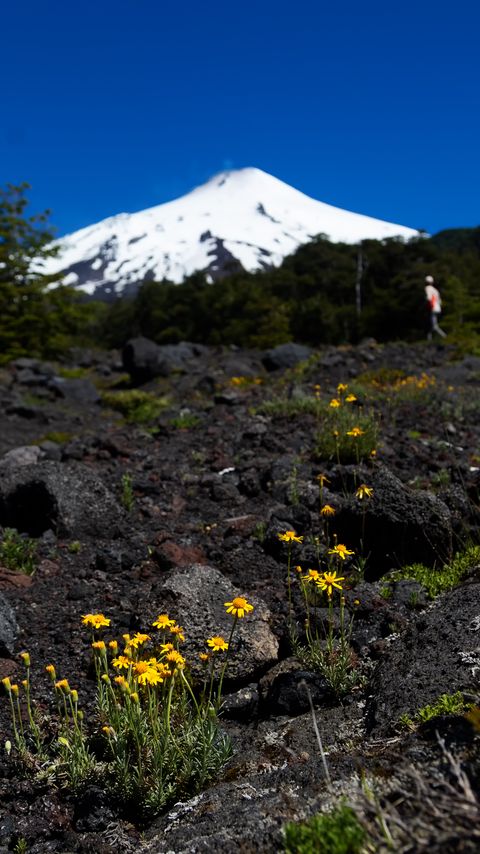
{"points": [[325, 293]]}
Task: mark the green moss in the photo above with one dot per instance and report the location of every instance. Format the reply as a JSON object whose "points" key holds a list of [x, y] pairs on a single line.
{"points": [[337, 832], [137, 407], [441, 579]]}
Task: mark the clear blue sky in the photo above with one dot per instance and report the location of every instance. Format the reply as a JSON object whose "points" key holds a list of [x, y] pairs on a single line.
{"points": [[116, 106]]}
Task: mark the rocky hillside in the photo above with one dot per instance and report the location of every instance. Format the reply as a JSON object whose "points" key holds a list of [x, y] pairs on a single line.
{"points": [[168, 484]]}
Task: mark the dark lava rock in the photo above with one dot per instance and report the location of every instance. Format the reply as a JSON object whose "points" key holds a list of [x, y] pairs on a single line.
{"points": [[242, 705], [139, 358], [288, 693], [285, 356], [68, 500], [398, 525], [438, 654], [144, 360], [76, 390], [8, 628]]}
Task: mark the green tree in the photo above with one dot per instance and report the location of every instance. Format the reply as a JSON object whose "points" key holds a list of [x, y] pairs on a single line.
{"points": [[37, 317]]}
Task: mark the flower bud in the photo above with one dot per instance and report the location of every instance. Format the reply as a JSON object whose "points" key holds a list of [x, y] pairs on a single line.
{"points": [[25, 658]]}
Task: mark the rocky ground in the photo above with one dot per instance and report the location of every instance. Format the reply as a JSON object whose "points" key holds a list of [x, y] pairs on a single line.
{"points": [[216, 476]]}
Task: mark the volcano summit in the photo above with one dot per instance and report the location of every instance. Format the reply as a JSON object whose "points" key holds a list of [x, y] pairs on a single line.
{"points": [[239, 218]]}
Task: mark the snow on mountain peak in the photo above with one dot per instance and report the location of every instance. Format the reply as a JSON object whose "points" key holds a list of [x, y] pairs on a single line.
{"points": [[242, 216]]}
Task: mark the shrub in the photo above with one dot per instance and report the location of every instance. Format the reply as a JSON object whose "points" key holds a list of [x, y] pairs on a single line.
{"points": [[154, 735], [137, 407], [17, 552]]}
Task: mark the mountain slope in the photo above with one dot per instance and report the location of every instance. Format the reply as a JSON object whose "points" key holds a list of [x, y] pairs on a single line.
{"points": [[242, 217]]}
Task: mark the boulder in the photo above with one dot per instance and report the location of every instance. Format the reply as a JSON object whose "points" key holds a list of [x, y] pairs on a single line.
{"points": [[53, 496], [144, 360], [438, 654], [8, 628], [76, 390], [285, 356], [25, 455], [195, 598], [397, 526]]}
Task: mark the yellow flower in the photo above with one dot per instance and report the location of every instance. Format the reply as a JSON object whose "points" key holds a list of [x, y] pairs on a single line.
{"points": [[341, 387], [364, 491], [176, 658], [335, 403], [356, 601], [298, 568], [312, 575], [239, 606], [340, 551], [113, 644], [25, 658], [138, 639], [7, 684], [96, 621], [179, 631], [98, 645], [217, 643], [15, 690], [350, 398], [328, 510], [152, 676], [63, 685], [134, 697], [122, 661], [51, 670], [203, 656], [329, 580], [108, 730], [373, 453], [121, 681], [323, 479], [167, 647], [163, 621], [290, 537], [145, 673], [75, 695], [356, 432]]}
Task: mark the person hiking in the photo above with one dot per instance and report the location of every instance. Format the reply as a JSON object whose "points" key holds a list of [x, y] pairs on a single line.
{"points": [[435, 307]]}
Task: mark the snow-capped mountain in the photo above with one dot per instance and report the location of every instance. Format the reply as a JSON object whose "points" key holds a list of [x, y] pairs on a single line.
{"points": [[242, 217]]}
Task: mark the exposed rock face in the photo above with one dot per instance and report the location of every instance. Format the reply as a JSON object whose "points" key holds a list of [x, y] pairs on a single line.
{"points": [[438, 654]]}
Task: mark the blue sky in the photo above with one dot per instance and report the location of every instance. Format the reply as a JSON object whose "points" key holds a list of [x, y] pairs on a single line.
{"points": [[117, 106]]}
